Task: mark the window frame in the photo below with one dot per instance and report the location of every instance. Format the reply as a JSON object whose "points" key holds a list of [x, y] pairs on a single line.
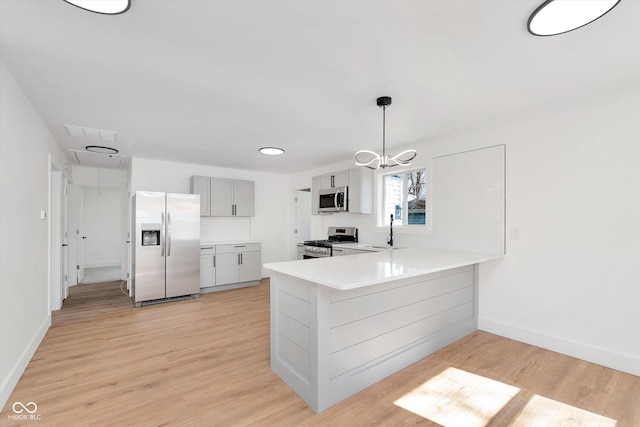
{"points": [[380, 201]]}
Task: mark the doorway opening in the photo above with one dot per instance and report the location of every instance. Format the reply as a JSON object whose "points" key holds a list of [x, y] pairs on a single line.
{"points": [[100, 224]]}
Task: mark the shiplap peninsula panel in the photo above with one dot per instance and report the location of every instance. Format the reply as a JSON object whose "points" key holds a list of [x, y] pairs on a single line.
{"points": [[328, 344]]}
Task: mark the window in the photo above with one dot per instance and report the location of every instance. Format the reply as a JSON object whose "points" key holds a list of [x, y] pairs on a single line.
{"points": [[405, 197]]}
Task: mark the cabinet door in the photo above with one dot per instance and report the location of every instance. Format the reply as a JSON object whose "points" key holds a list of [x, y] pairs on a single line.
{"points": [[202, 185], [227, 270], [341, 179], [361, 190], [251, 267], [338, 252], [221, 197], [316, 185], [244, 198], [207, 271], [325, 181]]}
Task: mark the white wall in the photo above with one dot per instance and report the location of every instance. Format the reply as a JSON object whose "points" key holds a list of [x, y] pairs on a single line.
{"points": [[465, 203], [269, 225], [571, 282], [103, 226], [25, 143]]}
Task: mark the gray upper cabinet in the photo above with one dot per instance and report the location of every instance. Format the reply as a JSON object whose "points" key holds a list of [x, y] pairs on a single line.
{"points": [[331, 180], [361, 190], [244, 198], [202, 185], [224, 197], [360, 183]]}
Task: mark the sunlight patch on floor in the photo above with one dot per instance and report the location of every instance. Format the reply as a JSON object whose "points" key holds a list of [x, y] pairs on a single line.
{"points": [[543, 412], [458, 398]]}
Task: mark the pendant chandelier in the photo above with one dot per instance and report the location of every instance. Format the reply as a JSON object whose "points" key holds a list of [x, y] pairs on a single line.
{"points": [[370, 158]]}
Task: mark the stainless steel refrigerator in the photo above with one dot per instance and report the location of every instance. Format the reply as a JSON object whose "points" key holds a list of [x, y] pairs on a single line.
{"points": [[166, 238]]}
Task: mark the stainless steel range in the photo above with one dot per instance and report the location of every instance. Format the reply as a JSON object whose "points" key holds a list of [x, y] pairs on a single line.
{"points": [[323, 248]]}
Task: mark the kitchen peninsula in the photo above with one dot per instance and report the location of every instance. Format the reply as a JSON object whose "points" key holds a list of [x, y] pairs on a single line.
{"points": [[341, 324]]}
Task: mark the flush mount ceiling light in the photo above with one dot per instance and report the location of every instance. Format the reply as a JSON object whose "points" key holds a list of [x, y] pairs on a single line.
{"points": [[101, 150], [367, 158], [105, 7], [561, 16], [271, 151]]}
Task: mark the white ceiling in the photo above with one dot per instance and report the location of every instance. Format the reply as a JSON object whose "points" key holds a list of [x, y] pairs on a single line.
{"points": [[210, 82]]}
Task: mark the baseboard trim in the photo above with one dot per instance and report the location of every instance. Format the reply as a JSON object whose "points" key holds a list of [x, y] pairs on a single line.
{"points": [[600, 356], [101, 264], [16, 372]]}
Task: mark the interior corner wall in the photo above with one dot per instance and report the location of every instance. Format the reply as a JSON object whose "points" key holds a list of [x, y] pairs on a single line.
{"points": [[569, 281], [25, 145], [270, 225]]}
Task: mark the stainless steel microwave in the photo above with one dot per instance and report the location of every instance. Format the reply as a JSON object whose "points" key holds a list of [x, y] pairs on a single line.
{"points": [[334, 199]]}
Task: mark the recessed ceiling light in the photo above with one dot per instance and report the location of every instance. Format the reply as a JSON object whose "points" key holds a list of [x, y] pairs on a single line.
{"points": [[561, 16], [271, 151], [105, 7], [100, 149]]}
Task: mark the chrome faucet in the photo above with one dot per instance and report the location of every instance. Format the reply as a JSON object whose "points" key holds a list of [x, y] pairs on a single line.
{"points": [[390, 239]]}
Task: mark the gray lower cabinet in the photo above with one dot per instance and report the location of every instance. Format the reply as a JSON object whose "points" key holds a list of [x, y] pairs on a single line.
{"points": [[238, 263], [207, 266], [230, 266]]}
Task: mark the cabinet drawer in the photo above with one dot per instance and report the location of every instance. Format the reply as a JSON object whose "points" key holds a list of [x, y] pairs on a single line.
{"points": [[207, 250], [236, 248]]}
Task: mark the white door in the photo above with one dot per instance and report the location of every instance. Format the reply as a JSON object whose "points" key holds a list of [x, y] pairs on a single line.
{"points": [[80, 234], [65, 239], [55, 233], [303, 216]]}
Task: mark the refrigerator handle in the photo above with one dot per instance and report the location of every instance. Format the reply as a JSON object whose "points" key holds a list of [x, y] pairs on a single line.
{"points": [[168, 234], [161, 233]]}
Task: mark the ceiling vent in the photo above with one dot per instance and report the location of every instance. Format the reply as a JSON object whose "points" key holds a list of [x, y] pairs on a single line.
{"points": [[98, 160], [98, 134]]}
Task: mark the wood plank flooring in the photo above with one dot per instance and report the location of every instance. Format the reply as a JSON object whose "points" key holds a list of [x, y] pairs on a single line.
{"points": [[205, 362]]}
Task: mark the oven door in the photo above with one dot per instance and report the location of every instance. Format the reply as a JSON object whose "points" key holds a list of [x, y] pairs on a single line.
{"points": [[310, 252]]}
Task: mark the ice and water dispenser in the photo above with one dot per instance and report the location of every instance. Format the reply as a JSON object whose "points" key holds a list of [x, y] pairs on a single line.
{"points": [[150, 234]]}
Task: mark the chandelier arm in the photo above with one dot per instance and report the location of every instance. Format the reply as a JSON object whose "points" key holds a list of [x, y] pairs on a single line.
{"points": [[404, 162], [374, 157]]}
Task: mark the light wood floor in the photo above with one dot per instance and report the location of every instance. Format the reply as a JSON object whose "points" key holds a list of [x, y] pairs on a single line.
{"points": [[206, 362]]}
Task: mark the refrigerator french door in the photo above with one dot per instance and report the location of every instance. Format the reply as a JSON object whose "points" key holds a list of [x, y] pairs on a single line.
{"points": [[166, 261]]}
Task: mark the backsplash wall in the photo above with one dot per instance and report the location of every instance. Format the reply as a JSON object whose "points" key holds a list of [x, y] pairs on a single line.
{"points": [[223, 229]]}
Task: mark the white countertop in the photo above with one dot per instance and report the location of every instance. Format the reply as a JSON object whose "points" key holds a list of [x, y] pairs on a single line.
{"points": [[362, 247], [356, 271], [228, 242]]}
